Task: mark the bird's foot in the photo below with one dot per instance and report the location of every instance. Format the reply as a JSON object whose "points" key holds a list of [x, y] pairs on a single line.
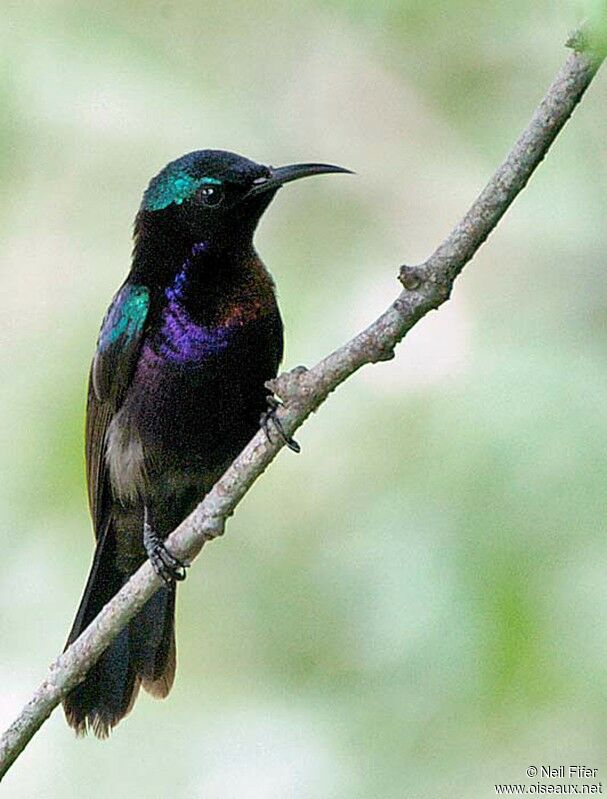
{"points": [[269, 420], [165, 564]]}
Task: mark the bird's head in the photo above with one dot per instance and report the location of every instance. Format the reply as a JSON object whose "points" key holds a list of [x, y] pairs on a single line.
{"points": [[216, 196]]}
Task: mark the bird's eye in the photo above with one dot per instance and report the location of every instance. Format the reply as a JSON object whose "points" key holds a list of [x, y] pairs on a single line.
{"points": [[211, 195]]}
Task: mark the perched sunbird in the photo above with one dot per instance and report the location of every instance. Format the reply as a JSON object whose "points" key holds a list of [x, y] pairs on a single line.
{"points": [[176, 389]]}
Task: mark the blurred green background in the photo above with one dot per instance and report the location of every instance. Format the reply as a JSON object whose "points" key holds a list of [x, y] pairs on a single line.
{"points": [[417, 605]]}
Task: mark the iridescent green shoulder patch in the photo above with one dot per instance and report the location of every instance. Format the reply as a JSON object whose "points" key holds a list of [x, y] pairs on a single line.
{"points": [[126, 315]]}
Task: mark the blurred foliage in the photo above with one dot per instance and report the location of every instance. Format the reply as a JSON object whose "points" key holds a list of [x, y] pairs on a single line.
{"points": [[415, 606]]}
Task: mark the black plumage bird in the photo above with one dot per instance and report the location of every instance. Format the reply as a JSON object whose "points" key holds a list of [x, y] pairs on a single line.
{"points": [[176, 390]]}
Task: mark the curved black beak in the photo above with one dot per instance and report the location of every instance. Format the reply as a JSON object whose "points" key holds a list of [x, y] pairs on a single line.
{"points": [[285, 174]]}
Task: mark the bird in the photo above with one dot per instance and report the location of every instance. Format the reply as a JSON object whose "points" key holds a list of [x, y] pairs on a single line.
{"points": [[176, 389]]}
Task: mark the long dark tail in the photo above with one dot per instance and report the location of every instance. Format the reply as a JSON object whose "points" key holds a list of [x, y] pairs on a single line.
{"points": [[143, 654]]}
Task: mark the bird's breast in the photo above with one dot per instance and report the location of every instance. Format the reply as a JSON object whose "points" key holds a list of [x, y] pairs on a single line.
{"points": [[192, 379], [184, 341]]}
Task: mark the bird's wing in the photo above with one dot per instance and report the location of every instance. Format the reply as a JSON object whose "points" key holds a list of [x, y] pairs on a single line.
{"points": [[111, 371]]}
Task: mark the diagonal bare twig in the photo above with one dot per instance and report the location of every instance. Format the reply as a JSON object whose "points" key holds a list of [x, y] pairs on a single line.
{"points": [[425, 287]]}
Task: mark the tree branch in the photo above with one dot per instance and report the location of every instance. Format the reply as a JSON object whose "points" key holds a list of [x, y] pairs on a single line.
{"points": [[426, 287]]}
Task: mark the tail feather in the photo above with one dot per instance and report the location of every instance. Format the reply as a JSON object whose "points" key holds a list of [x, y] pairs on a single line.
{"points": [[143, 653], [152, 643]]}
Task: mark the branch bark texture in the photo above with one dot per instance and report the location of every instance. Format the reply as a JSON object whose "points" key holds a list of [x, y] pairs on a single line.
{"points": [[425, 287]]}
